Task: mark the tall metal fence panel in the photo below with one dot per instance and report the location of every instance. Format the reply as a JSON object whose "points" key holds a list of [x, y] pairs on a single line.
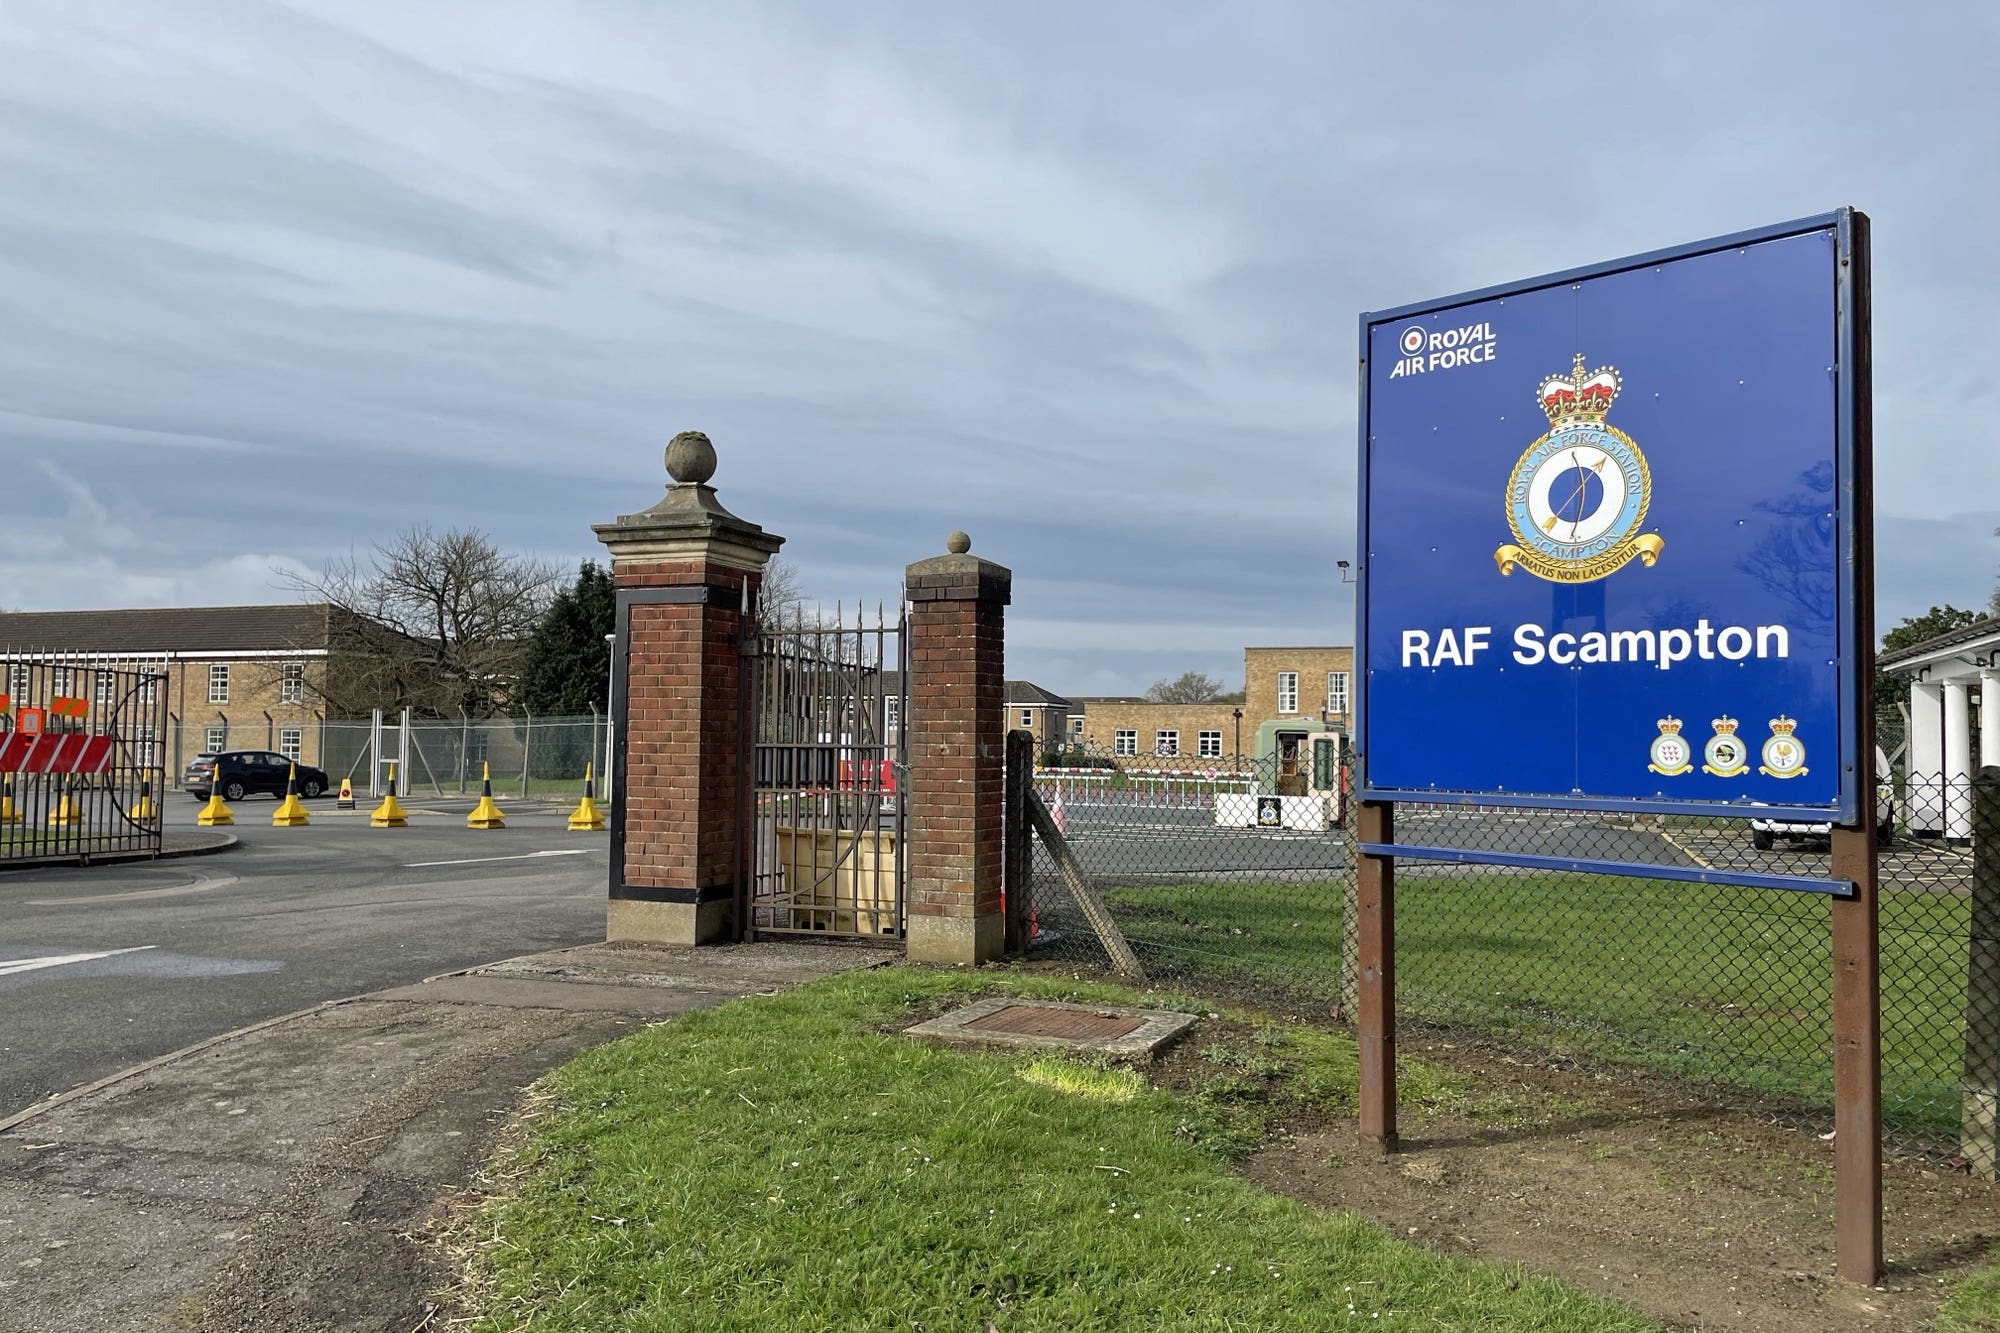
{"points": [[529, 757], [1718, 988]]}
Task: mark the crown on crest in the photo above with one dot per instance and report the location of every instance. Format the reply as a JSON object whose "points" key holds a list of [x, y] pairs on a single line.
{"points": [[1669, 725], [1783, 726], [1724, 725], [1581, 395]]}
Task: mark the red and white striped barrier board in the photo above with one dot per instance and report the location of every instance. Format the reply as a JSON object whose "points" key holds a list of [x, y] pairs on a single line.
{"points": [[50, 752]]}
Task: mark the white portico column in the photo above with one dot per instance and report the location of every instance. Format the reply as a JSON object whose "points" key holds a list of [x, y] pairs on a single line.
{"points": [[1989, 716], [1958, 761], [1925, 813]]}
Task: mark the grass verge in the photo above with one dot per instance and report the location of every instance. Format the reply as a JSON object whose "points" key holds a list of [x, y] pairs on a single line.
{"points": [[783, 1163], [1726, 984]]}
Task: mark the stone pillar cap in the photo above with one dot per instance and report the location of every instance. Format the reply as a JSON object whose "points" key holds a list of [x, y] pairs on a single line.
{"points": [[958, 576], [688, 521]]}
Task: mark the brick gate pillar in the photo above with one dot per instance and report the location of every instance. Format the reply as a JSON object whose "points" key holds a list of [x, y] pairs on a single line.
{"points": [[957, 755], [682, 570]]}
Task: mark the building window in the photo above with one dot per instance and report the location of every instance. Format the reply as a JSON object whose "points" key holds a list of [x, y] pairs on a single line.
{"points": [[292, 684], [214, 739], [106, 683], [1336, 692], [1027, 719], [142, 748], [1166, 742], [218, 682], [1209, 744], [892, 712], [149, 684], [1076, 728], [18, 681], [290, 740], [1125, 742], [1288, 691], [59, 681]]}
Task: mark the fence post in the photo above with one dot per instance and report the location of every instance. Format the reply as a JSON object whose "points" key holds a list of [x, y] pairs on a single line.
{"points": [[1014, 890], [375, 753], [527, 751], [464, 746], [1375, 1007], [1979, 1127]]}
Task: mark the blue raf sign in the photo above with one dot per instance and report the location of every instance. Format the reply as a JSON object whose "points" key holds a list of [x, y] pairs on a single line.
{"points": [[1606, 526]]}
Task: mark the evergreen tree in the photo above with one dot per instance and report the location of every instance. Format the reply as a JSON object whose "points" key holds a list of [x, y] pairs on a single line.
{"points": [[566, 668]]}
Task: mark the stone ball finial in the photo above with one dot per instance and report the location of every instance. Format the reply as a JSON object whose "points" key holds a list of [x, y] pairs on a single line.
{"points": [[958, 543], [690, 457]]}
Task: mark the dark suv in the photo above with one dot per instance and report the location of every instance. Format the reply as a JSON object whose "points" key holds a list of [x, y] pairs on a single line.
{"points": [[241, 772]]}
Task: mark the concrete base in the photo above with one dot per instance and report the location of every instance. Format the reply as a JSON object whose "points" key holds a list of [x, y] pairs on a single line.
{"points": [[968, 940], [1979, 1133], [633, 922]]}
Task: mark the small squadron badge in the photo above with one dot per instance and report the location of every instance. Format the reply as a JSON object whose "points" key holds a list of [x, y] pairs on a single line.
{"points": [[1784, 753], [1725, 755], [1672, 755], [1577, 496]]}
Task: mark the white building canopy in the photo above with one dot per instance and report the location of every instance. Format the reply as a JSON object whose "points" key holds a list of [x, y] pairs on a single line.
{"points": [[1944, 672]]}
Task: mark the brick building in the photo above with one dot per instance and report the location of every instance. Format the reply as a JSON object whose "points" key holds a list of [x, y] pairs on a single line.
{"points": [[244, 677], [1288, 694]]}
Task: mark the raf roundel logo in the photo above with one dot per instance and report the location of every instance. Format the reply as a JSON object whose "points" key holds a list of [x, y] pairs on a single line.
{"points": [[1577, 496], [1412, 340]]}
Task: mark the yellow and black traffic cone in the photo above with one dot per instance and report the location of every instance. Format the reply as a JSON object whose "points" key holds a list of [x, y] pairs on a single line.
{"points": [[69, 811], [345, 801], [9, 812], [486, 814], [291, 812], [146, 811], [389, 814], [215, 812], [586, 818]]}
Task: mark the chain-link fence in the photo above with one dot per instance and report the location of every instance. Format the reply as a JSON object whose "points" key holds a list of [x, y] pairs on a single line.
{"points": [[1213, 877], [528, 756]]}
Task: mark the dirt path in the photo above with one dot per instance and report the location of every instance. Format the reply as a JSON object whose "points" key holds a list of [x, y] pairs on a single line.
{"points": [[1695, 1215]]}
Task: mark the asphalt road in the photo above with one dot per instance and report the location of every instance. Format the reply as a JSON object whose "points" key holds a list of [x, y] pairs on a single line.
{"points": [[103, 967]]}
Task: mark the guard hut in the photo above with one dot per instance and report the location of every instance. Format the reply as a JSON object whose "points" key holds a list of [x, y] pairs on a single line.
{"points": [[1954, 684]]}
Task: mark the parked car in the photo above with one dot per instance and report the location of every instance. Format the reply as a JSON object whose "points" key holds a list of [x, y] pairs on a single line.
{"points": [[241, 772], [1766, 833]]}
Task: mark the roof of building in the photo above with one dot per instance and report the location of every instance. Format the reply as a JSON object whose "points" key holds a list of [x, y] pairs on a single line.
{"points": [[1027, 694], [167, 629], [1985, 628]]}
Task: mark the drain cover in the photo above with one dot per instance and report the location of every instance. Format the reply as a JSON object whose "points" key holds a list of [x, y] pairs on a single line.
{"points": [[1007, 1021], [1034, 1020]]}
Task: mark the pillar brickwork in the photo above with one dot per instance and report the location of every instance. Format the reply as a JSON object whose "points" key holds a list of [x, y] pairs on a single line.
{"points": [[957, 745], [683, 570]]}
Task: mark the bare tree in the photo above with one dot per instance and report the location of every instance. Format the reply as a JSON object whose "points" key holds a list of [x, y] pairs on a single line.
{"points": [[1190, 687], [781, 592], [437, 622]]}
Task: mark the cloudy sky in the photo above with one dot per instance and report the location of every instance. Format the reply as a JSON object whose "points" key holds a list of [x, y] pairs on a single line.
{"points": [[277, 281]]}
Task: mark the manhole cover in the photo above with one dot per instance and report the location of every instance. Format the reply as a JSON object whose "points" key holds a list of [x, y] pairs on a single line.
{"points": [[1006, 1021], [1029, 1020]]}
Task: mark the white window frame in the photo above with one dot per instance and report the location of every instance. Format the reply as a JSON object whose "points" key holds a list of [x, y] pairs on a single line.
{"points": [[100, 692], [59, 682], [1288, 691], [1208, 745], [149, 683], [292, 683], [291, 740], [1167, 742], [1336, 692], [17, 682], [214, 739], [1076, 727], [1027, 719], [218, 682], [1125, 741], [143, 747], [892, 712]]}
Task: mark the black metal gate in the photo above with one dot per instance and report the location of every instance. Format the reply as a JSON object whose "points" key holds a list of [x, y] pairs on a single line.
{"points": [[824, 718], [80, 756]]}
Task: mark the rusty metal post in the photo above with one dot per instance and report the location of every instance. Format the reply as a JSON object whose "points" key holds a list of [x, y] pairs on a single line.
{"points": [[1857, 993], [1014, 880], [1979, 1124], [1375, 1002]]}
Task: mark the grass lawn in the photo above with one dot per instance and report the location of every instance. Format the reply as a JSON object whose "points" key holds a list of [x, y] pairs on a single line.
{"points": [[779, 1164], [1727, 984]]}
